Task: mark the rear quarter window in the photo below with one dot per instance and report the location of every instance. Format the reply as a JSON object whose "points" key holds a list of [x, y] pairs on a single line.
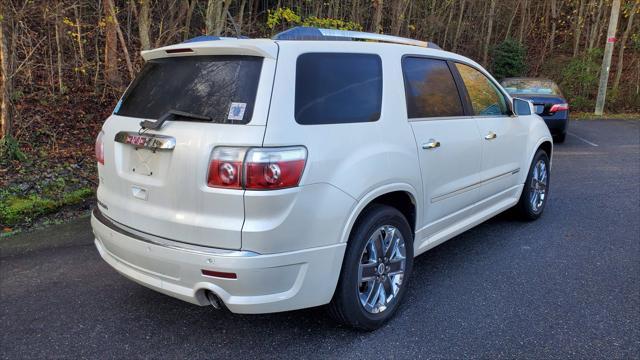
{"points": [[203, 85], [338, 88]]}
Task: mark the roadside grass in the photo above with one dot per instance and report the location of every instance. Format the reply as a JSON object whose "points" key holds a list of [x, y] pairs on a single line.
{"points": [[25, 209], [605, 116]]}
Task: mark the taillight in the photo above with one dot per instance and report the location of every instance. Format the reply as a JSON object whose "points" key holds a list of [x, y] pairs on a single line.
{"points": [[100, 148], [559, 107], [256, 168], [274, 168], [225, 168]]}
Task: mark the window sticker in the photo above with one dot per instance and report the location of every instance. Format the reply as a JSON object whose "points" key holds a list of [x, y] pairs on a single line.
{"points": [[236, 111]]}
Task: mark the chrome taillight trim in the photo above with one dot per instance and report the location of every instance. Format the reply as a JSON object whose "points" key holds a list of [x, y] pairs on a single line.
{"points": [[147, 141]]}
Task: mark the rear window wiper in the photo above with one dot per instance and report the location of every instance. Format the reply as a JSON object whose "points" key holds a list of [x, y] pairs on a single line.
{"points": [[155, 125]]}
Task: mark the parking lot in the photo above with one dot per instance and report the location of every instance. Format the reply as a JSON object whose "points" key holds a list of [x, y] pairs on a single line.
{"points": [[567, 285]]}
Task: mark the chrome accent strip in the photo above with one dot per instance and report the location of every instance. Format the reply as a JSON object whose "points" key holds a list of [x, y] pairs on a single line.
{"points": [[167, 243], [474, 186], [148, 141]]}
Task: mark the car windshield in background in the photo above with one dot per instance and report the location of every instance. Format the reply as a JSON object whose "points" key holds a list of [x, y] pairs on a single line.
{"points": [[531, 86], [220, 87]]}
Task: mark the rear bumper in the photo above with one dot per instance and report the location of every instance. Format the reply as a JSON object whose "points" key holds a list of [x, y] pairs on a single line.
{"points": [[264, 283]]}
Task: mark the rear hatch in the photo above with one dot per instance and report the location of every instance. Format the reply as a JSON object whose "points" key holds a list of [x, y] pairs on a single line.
{"points": [[155, 180]]}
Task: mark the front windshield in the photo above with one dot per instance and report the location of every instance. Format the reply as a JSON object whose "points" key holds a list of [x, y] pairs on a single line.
{"points": [[531, 86]]}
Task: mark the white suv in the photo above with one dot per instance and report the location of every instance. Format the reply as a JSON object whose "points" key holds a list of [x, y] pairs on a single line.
{"points": [[266, 175]]}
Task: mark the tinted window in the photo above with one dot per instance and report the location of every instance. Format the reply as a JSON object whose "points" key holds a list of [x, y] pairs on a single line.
{"points": [[204, 85], [430, 88], [522, 107], [334, 88], [485, 97]]}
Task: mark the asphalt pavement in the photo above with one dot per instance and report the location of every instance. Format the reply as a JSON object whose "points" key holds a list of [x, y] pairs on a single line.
{"points": [[567, 285]]}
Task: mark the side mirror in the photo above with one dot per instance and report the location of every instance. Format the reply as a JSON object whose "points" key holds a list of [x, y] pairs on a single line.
{"points": [[522, 107]]}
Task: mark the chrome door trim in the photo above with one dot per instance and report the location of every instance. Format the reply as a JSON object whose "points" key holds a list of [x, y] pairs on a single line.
{"points": [[474, 186], [147, 141]]}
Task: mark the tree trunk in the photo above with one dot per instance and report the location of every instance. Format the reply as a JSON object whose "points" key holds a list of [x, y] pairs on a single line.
{"points": [[623, 41], [222, 18], [595, 29], [143, 25], [523, 21], [187, 21], [123, 44], [76, 12], [485, 53], [6, 85], [458, 26], [56, 28], [554, 21], [376, 24], [398, 16], [606, 60], [243, 3], [111, 74], [578, 28]]}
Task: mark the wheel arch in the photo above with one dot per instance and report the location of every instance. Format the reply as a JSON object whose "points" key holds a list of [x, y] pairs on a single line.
{"points": [[400, 196], [546, 144]]}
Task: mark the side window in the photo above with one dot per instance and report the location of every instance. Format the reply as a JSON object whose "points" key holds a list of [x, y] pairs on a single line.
{"points": [[430, 89], [485, 97], [337, 88]]}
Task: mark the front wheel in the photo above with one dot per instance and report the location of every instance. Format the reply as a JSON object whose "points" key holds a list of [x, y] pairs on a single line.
{"points": [[375, 270], [536, 187]]}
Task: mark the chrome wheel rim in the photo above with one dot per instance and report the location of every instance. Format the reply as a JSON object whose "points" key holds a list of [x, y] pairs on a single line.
{"points": [[538, 186], [381, 269]]}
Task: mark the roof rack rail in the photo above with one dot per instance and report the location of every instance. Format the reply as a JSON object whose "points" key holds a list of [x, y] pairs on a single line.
{"points": [[312, 33], [211, 38]]}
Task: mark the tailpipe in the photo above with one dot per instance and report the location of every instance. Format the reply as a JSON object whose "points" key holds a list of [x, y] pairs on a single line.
{"points": [[214, 300]]}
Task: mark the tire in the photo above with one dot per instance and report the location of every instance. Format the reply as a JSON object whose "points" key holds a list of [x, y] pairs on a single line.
{"points": [[346, 307], [560, 138], [528, 207]]}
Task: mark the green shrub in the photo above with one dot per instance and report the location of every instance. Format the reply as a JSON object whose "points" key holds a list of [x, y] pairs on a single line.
{"points": [[580, 77], [509, 59]]}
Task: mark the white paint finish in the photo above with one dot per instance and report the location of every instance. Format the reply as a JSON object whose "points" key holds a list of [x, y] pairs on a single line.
{"points": [[300, 234]]}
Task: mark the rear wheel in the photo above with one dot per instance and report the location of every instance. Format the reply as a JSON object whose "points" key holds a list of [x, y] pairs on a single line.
{"points": [[536, 187], [375, 270]]}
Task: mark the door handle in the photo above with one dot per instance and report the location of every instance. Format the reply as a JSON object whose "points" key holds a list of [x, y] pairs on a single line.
{"points": [[490, 136], [432, 144]]}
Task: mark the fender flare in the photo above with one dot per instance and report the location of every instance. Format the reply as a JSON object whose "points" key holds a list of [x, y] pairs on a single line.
{"points": [[371, 195], [533, 153]]}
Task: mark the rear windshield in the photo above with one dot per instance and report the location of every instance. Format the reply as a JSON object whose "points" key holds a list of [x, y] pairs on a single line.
{"points": [[221, 87], [531, 86]]}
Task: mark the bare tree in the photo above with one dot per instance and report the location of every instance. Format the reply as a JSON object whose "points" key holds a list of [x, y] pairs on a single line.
{"points": [[485, 54], [143, 24], [623, 42], [111, 74], [6, 65]]}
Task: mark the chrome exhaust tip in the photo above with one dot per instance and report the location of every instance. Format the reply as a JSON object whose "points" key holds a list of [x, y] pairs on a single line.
{"points": [[214, 300]]}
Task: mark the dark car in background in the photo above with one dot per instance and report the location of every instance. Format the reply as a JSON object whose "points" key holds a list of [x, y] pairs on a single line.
{"points": [[549, 102]]}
